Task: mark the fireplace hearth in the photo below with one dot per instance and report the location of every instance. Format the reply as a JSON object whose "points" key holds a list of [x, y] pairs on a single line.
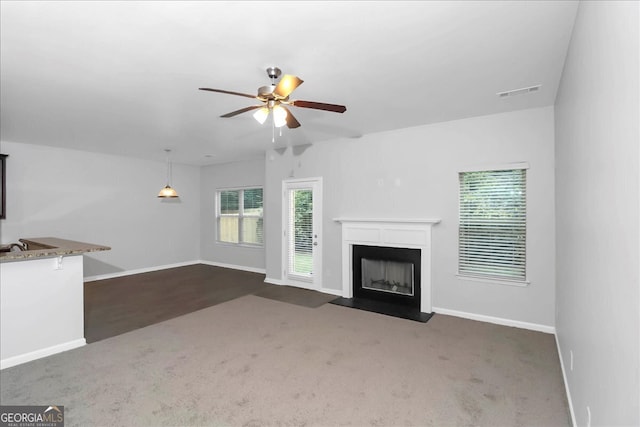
{"points": [[386, 280]]}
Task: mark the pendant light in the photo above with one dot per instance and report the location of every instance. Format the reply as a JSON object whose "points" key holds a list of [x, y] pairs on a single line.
{"points": [[167, 191]]}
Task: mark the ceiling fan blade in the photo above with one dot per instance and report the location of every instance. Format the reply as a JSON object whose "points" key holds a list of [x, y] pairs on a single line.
{"points": [[320, 106], [288, 84], [246, 95], [243, 110], [291, 120]]}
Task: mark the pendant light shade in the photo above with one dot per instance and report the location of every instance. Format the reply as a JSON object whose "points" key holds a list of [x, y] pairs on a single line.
{"points": [[167, 191]]}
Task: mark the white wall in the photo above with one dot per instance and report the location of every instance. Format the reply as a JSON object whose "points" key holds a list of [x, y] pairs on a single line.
{"points": [[228, 175], [102, 199], [597, 196], [41, 308], [414, 173]]}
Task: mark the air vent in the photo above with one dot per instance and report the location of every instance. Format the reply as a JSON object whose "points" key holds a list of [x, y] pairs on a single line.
{"points": [[522, 91]]}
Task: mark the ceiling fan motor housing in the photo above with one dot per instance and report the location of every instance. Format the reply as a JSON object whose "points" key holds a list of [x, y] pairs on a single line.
{"points": [[266, 92]]}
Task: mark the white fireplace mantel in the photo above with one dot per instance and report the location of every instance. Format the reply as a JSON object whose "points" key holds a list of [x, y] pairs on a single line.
{"points": [[389, 220], [414, 233]]}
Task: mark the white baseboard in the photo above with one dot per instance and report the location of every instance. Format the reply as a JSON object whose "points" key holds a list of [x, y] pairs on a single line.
{"points": [[566, 383], [166, 266], [497, 320], [38, 354], [233, 266], [274, 281], [139, 271], [335, 292]]}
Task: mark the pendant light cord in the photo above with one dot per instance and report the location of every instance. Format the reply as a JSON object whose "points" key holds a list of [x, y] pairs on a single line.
{"points": [[168, 168]]}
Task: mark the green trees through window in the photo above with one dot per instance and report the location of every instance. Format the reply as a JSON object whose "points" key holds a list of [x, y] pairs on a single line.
{"points": [[492, 228], [303, 231]]}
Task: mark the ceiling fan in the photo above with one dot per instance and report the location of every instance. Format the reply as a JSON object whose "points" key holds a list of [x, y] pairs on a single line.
{"points": [[275, 99]]}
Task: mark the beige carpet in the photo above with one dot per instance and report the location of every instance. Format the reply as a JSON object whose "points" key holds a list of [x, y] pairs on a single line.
{"points": [[255, 362]]}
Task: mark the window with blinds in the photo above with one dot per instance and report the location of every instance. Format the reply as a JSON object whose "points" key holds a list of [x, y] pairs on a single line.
{"points": [[240, 216], [493, 227]]}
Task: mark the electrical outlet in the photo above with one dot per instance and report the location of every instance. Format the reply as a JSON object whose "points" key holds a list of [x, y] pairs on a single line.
{"points": [[588, 417], [571, 360]]}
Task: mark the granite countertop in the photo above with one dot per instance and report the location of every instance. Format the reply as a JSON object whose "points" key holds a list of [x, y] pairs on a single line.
{"points": [[45, 247]]}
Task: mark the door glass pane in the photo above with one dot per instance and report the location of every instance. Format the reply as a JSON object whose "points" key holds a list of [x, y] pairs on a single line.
{"points": [[301, 232]]}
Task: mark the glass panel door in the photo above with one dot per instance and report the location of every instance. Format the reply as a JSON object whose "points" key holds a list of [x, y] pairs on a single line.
{"points": [[302, 233]]}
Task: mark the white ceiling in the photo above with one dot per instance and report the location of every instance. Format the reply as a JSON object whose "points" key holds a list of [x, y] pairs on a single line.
{"points": [[123, 77]]}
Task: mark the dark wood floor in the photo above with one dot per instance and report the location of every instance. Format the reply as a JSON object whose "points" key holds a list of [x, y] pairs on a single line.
{"points": [[119, 305]]}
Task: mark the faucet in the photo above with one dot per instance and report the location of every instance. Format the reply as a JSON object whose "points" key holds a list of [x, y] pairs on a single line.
{"points": [[10, 247]]}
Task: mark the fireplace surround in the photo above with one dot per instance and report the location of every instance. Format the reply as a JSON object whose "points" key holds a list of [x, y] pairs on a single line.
{"points": [[389, 233]]}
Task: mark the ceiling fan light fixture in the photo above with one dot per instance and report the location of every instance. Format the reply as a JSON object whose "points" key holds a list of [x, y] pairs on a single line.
{"points": [[261, 115], [279, 116], [272, 96]]}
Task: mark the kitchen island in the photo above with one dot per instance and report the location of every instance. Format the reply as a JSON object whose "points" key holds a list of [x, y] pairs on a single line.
{"points": [[41, 298]]}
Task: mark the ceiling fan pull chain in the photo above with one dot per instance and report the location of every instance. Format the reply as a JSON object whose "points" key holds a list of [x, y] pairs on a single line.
{"points": [[273, 129]]}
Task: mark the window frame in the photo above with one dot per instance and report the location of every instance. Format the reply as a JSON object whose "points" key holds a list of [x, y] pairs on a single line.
{"points": [[487, 278], [241, 215]]}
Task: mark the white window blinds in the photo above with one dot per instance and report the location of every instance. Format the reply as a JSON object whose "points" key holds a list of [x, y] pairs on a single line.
{"points": [[300, 232], [492, 229]]}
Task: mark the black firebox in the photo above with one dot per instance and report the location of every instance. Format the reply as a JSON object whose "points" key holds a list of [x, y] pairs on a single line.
{"points": [[387, 274]]}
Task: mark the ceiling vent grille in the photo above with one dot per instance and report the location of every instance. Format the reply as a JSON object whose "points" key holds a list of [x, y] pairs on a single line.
{"points": [[516, 92]]}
